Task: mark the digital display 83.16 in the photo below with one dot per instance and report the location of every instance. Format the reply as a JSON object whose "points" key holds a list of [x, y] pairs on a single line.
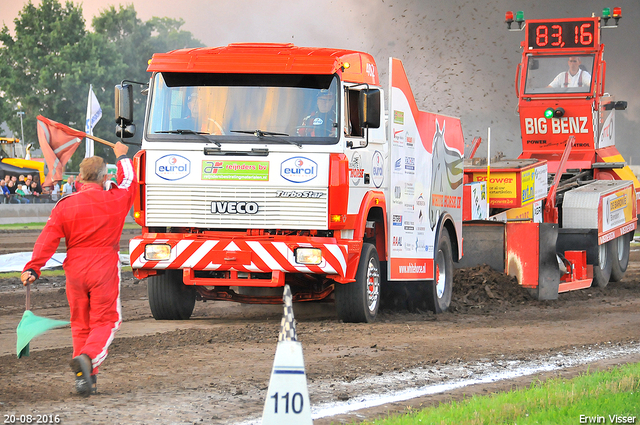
{"points": [[561, 35]]}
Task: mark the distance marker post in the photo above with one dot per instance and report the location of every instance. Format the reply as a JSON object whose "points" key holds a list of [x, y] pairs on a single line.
{"points": [[287, 400]]}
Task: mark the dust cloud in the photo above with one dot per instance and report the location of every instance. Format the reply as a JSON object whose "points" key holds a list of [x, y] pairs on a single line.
{"points": [[458, 54]]}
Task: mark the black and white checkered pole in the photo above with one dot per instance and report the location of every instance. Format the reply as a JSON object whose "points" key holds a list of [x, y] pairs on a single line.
{"points": [[288, 323]]}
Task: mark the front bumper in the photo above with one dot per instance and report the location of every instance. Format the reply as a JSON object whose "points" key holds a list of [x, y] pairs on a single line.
{"points": [[246, 254]]}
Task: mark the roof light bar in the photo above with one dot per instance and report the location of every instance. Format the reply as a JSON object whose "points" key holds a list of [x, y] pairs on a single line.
{"points": [[608, 14], [519, 19]]}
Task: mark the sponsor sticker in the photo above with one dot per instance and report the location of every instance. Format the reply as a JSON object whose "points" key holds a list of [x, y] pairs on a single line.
{"points": [[409, 164], [377, 169], [173, 167], [235, 170], [398, 137], [398, 117], [528, 186], [397, 166], [356, 170], [299, 169], [409, 141]]}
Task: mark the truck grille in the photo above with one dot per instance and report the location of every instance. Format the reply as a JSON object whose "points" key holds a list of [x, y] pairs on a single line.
{"points": [[190, 206]]}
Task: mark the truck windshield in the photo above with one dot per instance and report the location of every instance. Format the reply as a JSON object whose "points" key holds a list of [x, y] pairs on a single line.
{"points": [[282, 108], [559, 74]]}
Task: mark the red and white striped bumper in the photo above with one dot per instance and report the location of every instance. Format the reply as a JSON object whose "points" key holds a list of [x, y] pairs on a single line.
{"points": [[242, 255]]}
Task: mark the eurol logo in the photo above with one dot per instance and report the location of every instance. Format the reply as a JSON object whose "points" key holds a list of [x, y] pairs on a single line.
{"points": [[173, 167], [299, 169]]}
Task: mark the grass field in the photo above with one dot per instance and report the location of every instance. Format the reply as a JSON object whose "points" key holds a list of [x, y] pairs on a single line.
{"points": [[607, 397], [40, 226]]}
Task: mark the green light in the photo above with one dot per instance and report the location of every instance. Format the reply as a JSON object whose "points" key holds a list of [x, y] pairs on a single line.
{"points": [[548, 113], [519, 16], [606, 12]]}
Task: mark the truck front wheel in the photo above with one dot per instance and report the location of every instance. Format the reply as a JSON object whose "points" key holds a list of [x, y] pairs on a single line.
{"points": [[603, 265], [169, 298], [620, 253], [359, 301], [439, 289]]}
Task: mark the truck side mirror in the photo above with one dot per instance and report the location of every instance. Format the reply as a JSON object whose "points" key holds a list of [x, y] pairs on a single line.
{"points": [[124, 110], [621, 105], [125, 131], [369, 104]]}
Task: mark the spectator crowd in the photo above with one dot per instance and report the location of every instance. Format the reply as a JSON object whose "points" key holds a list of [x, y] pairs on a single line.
{"points": [[26, 190]]}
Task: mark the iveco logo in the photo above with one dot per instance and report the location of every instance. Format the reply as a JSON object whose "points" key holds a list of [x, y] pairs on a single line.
{"points": [[233, 207]]}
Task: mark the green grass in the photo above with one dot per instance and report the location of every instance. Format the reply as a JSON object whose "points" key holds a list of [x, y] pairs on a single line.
{"points": [[40, 226], [45, 273], [556, 401]]}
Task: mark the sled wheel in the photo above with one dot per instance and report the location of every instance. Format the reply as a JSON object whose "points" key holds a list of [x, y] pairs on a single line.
{"points": [[602, 267], [620, 252]]}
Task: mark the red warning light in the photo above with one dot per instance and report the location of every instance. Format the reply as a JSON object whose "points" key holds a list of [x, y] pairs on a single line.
{"points": [[617, 12], [508, 17]]}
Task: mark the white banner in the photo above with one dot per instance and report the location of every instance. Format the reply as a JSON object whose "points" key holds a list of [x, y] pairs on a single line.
{"points": [[15, 262], [94, 113]]}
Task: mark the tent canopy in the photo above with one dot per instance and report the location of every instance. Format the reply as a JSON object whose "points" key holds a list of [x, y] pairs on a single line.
{"points": [[12, 170]]}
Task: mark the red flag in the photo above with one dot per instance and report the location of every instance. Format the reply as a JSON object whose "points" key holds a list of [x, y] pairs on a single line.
{"points": [[58, 142]]}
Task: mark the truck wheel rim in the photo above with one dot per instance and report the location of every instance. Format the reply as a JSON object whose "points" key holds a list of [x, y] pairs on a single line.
{"points": [[373, 286], [441, 275]]}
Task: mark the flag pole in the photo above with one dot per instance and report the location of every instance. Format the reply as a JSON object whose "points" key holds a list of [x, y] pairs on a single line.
{"points": [[99, 140], [488, 163]]}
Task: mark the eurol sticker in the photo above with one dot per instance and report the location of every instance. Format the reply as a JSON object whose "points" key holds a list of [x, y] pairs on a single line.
{"points": [[173, 167], [299, 169]]}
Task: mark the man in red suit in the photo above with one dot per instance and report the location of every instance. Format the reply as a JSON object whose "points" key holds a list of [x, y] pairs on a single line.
{"points": [[91, 221]]}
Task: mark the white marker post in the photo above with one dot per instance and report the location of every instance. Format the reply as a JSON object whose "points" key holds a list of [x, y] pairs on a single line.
{"points": [[287, 400]]}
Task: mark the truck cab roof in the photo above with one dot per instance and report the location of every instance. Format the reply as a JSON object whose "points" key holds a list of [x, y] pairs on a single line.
{"points": [[269, 58]]}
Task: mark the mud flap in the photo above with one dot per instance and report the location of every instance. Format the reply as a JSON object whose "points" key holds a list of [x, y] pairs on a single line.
{"points": [[549, 270], [531, 258], [483, 244]]}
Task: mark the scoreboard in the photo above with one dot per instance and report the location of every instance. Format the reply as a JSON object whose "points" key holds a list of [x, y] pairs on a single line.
{"points": [[562, 34]]}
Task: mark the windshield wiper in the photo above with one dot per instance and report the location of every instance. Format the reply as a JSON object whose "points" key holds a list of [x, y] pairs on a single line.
{"points": [[197, 133], [260, 134]]}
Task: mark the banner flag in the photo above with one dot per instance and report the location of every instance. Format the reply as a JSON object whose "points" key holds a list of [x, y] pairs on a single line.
{"points": [[94, 113], [58, 142]]}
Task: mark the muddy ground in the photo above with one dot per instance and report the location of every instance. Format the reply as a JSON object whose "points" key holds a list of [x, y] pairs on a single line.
{"points": [[215, 368]]}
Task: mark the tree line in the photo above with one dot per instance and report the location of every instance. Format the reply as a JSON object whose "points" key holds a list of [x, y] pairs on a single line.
{"points": [[47, 66]]}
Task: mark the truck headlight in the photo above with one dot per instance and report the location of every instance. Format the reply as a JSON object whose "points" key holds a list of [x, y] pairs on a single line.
{"points": [[157, 252], [308, 255]]}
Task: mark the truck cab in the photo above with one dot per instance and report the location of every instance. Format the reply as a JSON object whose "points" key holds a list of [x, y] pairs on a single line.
{"points": [[266, 164]]}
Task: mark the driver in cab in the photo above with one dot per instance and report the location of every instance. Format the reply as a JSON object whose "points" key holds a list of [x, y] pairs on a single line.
{"points": [[575, 77], [198, 121], [323, 121]]}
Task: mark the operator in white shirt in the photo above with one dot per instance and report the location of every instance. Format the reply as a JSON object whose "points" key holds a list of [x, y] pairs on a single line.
{"points": [[574, 78]]}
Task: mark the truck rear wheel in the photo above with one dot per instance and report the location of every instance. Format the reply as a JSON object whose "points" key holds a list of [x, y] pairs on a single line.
{"points": [[602, 268], [359, 301], [169, 298], [439, 289], [620, 253]]}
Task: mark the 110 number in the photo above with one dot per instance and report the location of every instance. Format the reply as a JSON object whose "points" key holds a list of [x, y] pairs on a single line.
{"points": [[297, 402]]}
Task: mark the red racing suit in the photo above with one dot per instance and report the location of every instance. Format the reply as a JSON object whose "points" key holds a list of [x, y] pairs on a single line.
{"points": [[91, 221]]}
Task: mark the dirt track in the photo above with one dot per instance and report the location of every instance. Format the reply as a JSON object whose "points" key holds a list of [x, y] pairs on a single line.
{"points": [[215, 368]]}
